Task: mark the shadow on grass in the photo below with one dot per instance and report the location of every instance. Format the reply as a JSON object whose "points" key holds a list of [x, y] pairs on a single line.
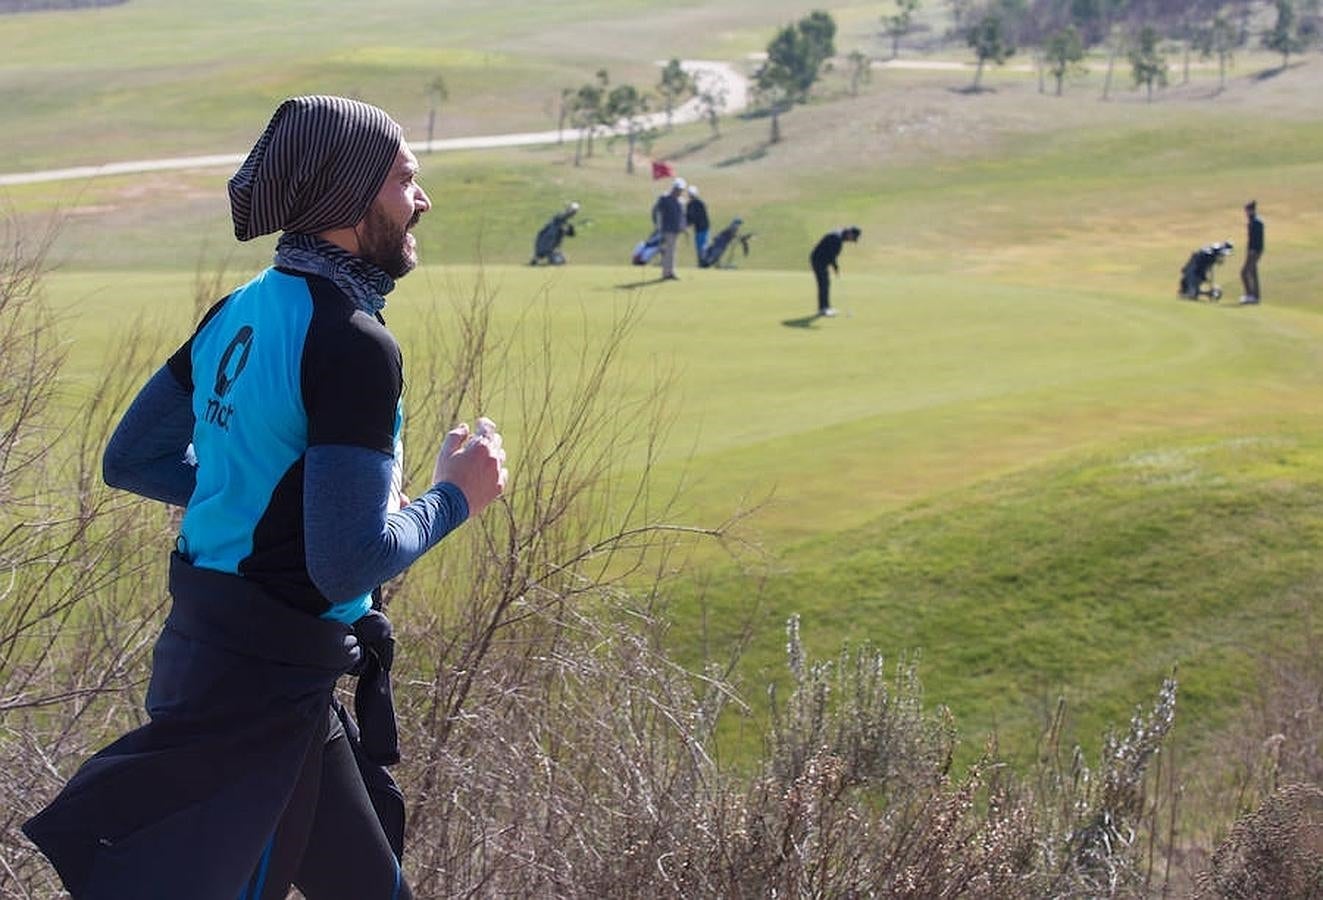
{"points": [[1275, 71], [633, 285], [695, 147], [974, 89], [757, 152], [802, 322]]}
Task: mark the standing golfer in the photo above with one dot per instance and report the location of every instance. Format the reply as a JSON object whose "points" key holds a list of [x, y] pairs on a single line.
{"points": [[824, 256], [668, 216], [695, 214], [1249, 272], [249, 776]]}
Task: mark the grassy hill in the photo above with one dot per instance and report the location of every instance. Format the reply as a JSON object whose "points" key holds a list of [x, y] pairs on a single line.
{"points": [[1019, 454]]}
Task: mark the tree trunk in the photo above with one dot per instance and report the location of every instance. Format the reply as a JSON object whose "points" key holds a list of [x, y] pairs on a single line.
{"points": [[1059, 79], [578, 149], [1185, 74], [1038, 64], [629, 157], [431, 127], [776, 127], [1221, 71], [1149, 87], [895, 45], [978, 74], [1111, 64]]}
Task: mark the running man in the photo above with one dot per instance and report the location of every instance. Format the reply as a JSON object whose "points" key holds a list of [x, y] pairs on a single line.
{"points": [[277, 427]]}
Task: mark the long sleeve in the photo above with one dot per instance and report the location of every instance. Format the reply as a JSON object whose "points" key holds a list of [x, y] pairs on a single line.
{"points": [[146, 454], [353, 541]]}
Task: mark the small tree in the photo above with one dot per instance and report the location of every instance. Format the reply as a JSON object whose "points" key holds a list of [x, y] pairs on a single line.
{"points": [[566, 106], [1147, 64], [773, 96], [675, 84], [990, 42], [711, 93], [819, 30], [588, 113], [1064, 53], [861, 70], [1284, 37], [794, 61], [1116, 44], [900, 23], [437, 92], [1220, 38], [626, 107]]}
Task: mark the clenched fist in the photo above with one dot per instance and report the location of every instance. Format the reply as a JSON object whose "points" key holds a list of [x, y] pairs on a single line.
{"points": [[474, 463]]}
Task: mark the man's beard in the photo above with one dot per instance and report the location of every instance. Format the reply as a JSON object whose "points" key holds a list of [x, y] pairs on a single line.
{"points": [[386, 244]]}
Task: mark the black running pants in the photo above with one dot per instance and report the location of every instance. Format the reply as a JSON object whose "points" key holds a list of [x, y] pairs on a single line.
{"points": [[823, 274], [330, 843]]}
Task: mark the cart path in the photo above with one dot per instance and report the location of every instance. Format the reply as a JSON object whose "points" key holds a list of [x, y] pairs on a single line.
{"points": [[720, 78]]}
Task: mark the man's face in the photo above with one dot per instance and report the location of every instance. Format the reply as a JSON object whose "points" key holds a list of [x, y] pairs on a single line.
{"points": [[383, 235]]}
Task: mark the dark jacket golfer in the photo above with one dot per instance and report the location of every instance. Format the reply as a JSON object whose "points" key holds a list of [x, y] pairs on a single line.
{"points": [[1249, 271], [824, 256]]}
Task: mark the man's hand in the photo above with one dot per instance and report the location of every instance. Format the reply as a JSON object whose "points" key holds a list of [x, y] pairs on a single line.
{"points": [[474, 463]]}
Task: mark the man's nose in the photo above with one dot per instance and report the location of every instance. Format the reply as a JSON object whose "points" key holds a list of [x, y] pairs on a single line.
{"points": [[422, 201]]}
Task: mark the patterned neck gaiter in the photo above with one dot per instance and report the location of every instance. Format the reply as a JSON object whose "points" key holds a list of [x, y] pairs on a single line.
{"points": [[365, 284]]}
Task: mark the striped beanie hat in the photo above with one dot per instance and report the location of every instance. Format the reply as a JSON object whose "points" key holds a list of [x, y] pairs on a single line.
{"points": [[318, 166]]}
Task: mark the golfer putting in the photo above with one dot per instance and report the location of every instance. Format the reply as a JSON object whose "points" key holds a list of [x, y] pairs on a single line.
{"points": [[824, 257]]}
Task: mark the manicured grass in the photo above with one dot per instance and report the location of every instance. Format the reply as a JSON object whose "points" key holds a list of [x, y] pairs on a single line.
{"points": [[1044, 492], [1089, 579]]}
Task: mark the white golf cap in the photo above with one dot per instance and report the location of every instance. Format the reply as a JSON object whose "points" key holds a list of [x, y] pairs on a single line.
{"points": [[693, 189], [679, 183]]}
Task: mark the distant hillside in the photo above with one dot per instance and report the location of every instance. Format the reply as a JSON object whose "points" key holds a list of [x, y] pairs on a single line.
{"points": [[18, 6]]}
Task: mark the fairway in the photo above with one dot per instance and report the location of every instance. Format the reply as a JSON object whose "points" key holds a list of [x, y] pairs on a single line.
{"points": [[1015, 451], [957, 410]]}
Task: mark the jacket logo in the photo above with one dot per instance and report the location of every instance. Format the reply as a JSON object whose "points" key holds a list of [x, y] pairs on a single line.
{"points": [[231, 365]]}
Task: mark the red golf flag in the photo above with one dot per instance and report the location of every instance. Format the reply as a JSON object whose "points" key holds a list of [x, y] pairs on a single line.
{"points": [[661, 170]]}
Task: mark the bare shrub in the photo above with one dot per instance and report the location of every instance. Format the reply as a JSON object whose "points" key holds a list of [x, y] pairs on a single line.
{"points": [[79, 575], [1097, 819], [1272, 741], [1275, 851], [1287, 716], [554, 747], [875, 810]]}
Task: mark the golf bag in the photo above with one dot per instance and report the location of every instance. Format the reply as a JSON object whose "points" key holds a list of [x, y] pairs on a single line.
{"points": [[1197, 276], [725, 240], [546, 246], [647, 248]]}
